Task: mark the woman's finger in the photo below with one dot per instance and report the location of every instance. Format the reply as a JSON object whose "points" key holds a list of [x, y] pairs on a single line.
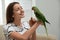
{"points": [[33, 19]]}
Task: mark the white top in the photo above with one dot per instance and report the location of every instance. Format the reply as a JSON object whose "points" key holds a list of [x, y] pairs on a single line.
{"points": [[12, 27]]}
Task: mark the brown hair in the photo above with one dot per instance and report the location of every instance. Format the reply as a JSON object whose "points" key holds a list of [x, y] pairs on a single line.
{"points": [[9, 12]]}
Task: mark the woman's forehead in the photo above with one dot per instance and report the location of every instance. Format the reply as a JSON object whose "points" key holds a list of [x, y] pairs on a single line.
{"points": [[16, 6]]}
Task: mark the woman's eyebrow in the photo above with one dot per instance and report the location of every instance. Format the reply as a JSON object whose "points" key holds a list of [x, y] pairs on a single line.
{"points": [[18, 7]]}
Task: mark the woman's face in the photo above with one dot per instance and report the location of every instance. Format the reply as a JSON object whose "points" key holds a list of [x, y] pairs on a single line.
{"points": [[18, 11]]}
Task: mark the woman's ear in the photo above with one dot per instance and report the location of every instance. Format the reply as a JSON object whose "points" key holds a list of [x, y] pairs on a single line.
{"points": [[13, 16]]}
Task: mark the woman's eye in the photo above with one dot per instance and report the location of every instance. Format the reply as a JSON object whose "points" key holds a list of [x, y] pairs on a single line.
{"points": [[16, 10]]}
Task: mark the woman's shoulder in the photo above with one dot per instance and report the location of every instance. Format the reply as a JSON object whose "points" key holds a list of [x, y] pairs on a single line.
{"points": [[6, 25]]}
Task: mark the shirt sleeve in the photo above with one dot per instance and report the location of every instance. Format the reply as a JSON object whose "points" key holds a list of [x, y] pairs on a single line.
{"points": [[10, 29], [5, 29]]}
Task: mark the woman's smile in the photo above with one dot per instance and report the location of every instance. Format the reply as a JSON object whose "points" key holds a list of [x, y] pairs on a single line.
{"points": [[21, 15]]}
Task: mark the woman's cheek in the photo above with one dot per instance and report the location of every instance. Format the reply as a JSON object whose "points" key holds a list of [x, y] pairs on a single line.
{"points": [[18, 12]]}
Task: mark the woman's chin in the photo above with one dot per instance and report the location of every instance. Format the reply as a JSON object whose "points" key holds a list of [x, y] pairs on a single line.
{"points": [[22, 16]]}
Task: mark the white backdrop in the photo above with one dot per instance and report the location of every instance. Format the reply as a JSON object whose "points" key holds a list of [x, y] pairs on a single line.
{"points": [[1, 19]]}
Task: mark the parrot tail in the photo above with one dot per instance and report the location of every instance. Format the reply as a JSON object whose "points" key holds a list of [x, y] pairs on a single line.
{"points": [[46, 29], [47, 22]]}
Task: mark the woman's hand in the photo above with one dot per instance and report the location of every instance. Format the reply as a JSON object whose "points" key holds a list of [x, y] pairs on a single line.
{"points": [[39, 22], [32, 21]]}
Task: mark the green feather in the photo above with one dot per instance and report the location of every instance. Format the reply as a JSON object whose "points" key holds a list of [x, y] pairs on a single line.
{"points": [[40, 17]]}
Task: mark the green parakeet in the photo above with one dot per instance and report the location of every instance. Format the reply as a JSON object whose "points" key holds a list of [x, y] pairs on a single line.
{"points": [[40, 17]]}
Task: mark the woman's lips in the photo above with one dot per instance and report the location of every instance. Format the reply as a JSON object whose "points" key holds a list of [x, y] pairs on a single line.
{"points": [[22, 14]]}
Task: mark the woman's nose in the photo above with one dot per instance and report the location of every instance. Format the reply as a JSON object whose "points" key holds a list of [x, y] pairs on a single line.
{"points": [[22, 11]]}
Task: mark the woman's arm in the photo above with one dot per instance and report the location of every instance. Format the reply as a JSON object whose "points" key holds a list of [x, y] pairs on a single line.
{"points": [[26, 35], [31, 30], [34, 36], [31, 22]]}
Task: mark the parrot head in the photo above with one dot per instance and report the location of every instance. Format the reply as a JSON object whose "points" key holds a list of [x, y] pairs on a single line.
{"points": [[34, 8]]}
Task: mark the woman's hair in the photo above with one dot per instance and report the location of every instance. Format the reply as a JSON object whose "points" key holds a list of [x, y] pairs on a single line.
{"points": [[9, 12]]}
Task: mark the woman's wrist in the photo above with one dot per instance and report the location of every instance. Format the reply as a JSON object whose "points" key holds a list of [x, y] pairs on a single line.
{"points": [[34, 35]]}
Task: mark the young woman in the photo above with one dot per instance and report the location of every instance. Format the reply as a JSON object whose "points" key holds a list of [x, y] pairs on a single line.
{"points": [[15, 29]]}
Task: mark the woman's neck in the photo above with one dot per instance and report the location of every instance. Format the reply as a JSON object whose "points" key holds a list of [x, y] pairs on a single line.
{"points": [[17, 22]]}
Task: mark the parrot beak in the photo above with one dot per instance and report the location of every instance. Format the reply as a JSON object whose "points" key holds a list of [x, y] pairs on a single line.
{"points": [[32, 9]]}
